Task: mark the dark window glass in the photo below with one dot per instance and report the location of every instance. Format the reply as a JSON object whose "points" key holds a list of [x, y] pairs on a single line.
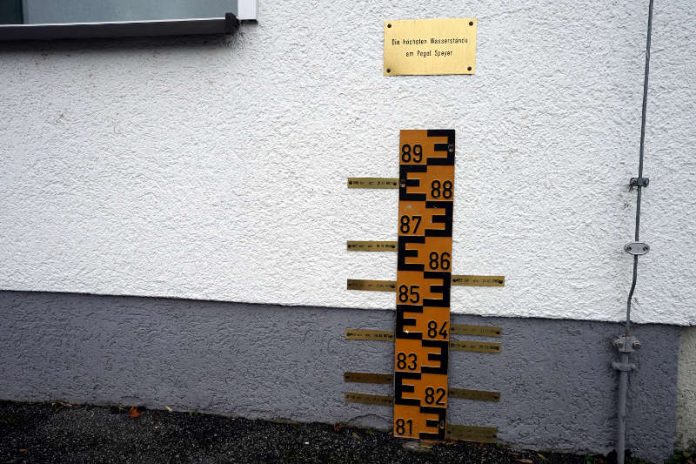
{"points": [[11, 12]]}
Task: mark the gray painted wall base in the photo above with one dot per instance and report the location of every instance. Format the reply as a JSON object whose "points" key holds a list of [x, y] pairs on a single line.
{"points": [[257, 361]]}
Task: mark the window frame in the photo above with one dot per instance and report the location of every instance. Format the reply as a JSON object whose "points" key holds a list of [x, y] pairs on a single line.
{"points": [[227, 24]]}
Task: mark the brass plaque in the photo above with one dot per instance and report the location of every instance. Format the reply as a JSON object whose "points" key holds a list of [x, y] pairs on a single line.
{"points": [[364, 398], [372, 285], [366, 377], [476, 395], [478, 281], [355, 245], [475, 347], [369, 335], [373, 183], [471, 433], [426, 47], [476, 330]]}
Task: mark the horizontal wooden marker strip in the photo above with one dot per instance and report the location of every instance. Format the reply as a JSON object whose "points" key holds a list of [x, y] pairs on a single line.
{"points": [[386, 379], [372, 245], [364, 398], [372, 285], [454, 432], [370, 335], [458, 280], [478, 281], [386, 400], [475, 347], [366, 377], [476, 330], [373, 183], [455, 345], [472, 433], [476, 395]]}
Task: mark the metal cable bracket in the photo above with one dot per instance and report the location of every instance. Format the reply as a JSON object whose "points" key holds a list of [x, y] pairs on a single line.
{"points": [[637, 248], [626, 367], [626, 344], [638, 182]]}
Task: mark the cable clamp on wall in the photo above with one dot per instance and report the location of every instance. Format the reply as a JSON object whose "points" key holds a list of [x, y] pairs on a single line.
{"points": [[627, 344], [638, 182], [637, 248], [626, 367]]}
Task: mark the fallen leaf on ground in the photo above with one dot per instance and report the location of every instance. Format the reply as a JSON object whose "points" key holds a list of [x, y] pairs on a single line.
{"points": [[133, 412], [417, 446]]}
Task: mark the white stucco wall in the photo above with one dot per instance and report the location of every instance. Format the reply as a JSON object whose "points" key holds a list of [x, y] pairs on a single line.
{"points": [[217, 169]]}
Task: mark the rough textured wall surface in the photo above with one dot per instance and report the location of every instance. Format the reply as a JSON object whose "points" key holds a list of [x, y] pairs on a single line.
{"points": [[686, 401], [557, 386], [216, 168]]}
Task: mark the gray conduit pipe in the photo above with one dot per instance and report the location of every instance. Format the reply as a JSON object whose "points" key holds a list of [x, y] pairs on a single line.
{"points": [[627, 343]]}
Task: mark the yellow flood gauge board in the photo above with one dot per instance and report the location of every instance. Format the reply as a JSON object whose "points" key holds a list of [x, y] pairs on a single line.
{"points": [[429, 47], [424, 279]]}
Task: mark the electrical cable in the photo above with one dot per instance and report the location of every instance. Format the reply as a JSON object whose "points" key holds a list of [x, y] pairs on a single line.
{"points": [[628, 343], [640, 165]]}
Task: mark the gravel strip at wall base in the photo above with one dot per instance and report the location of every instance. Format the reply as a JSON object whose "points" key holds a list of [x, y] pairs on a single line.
{"points": [[61, 433]]}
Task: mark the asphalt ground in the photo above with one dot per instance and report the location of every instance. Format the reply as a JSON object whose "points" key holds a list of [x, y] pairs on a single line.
{"points": [[63, 433]]}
